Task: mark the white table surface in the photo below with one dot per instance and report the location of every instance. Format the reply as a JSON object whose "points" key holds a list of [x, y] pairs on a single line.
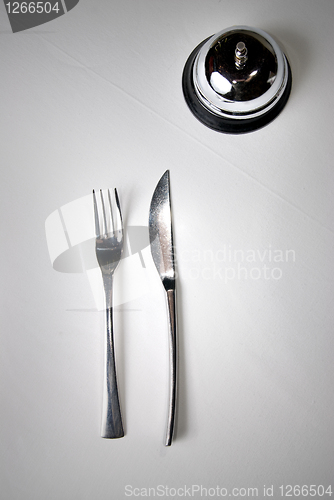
{"points": [[93, 99]]}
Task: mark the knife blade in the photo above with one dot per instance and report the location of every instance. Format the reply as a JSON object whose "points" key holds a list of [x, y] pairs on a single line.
{"points": [[162, 249]]}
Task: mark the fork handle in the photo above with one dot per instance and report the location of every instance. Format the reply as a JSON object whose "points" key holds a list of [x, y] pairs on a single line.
{"points": [[112, 426], [171, 304]]}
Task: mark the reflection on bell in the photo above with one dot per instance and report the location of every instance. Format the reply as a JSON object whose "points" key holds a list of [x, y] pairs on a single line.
{"points": [[219, 83], [237, 80]]}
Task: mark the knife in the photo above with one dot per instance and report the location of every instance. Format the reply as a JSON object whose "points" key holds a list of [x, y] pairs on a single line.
{"points": [[162, 249]]}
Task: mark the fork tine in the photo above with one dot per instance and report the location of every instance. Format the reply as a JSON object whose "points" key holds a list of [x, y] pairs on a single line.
{"points": [[96, 217], [119, 210], [113, 228], [104, 214]]}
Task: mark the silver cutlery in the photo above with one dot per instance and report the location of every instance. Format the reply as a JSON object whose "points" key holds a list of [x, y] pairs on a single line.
{"points": [[161, 240], [109, 248]]}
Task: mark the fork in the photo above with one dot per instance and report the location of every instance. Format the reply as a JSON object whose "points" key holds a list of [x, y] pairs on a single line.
{"points": [[109, 248]]}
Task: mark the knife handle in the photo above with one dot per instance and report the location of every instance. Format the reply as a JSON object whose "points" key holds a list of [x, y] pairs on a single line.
{"points": [[171, 304], [112, 426]]}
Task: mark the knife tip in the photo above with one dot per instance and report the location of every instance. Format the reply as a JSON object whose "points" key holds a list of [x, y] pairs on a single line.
{"points": [[166, 175]]}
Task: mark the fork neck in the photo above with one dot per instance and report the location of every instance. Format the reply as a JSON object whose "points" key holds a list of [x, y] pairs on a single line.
{"points": [[108, 285]]}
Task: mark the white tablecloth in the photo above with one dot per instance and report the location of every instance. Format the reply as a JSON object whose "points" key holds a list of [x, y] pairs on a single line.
{"points": [[93, 99]]}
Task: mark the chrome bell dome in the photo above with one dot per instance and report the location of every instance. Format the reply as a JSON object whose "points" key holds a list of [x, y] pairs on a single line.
{"points": [[237, 80]]}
